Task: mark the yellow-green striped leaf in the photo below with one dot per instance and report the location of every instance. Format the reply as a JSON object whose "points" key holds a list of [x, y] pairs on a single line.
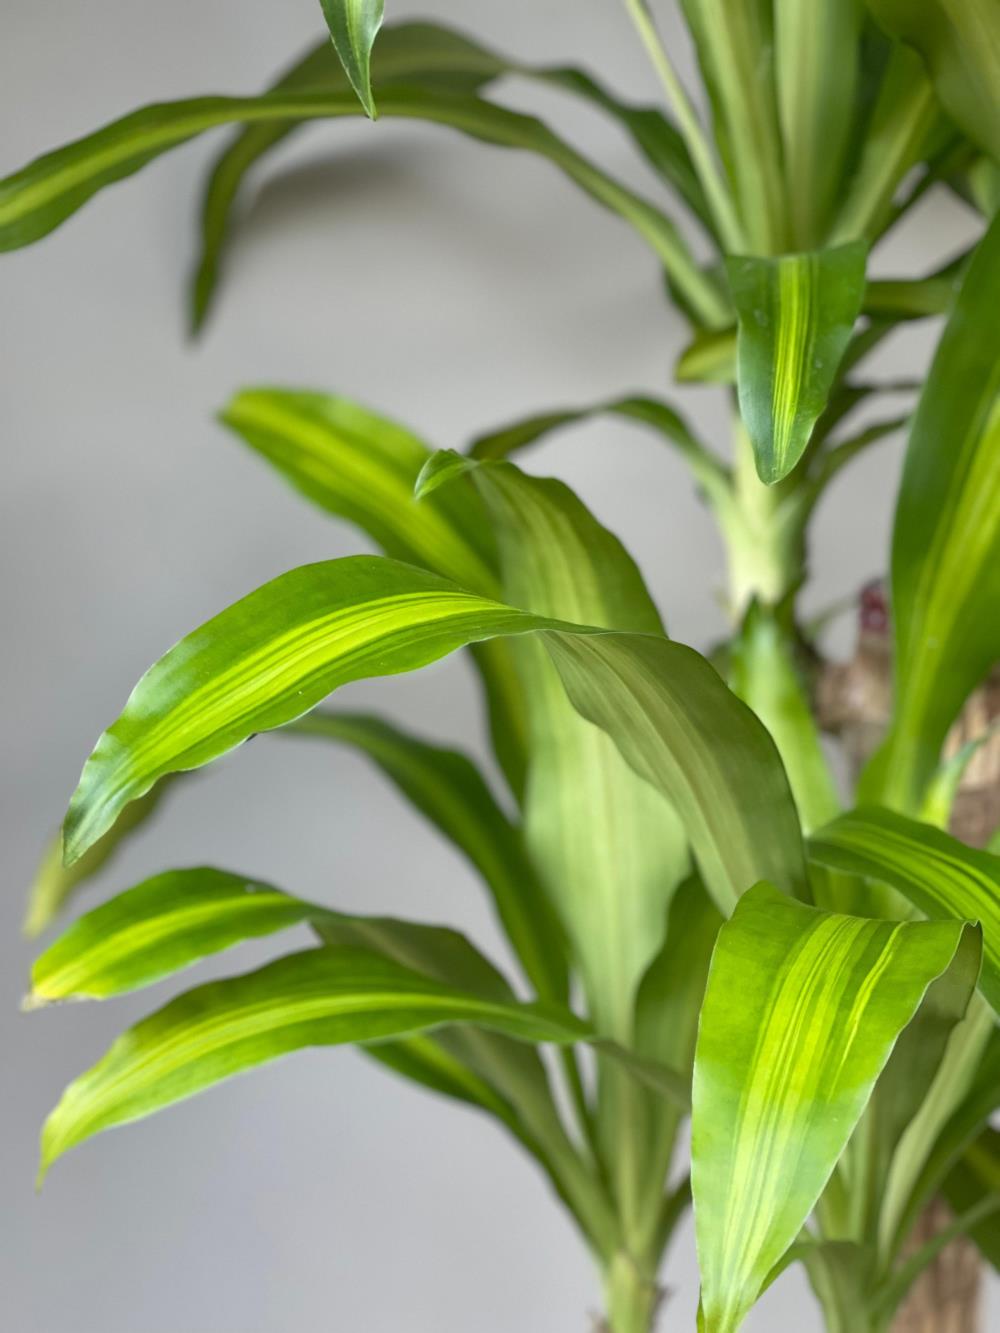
{"points": [[795, 317], [610, 849], [946, 541], [322, 997], [802, 1012], [941, 876], [162, 925], [267, 660], [361, 467], [274, 655], [38, 198], [354, 25], [959, 41], [447, 787]]}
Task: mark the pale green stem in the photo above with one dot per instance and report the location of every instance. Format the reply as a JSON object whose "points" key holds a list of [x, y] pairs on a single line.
{"points": [[702, 157], [632, 1297]]}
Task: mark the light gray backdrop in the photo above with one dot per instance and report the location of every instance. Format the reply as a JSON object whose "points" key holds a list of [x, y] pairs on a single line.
{"points": [[453, 286]]}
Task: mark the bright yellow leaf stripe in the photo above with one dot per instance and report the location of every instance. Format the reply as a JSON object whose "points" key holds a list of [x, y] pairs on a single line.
{"points": [[801, 1014], [941, 876]]}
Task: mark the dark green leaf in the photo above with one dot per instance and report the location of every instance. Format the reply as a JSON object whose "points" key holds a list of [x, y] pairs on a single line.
{"points": [[796, 314]]}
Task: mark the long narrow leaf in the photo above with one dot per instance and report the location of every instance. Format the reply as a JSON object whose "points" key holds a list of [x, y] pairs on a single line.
{"points": [[609, 847], [802, 1012], [37, 199], [796, 315], [159, 927], [941, 876], [360, 466], [272, 656], [946, 541], [323, 997]]}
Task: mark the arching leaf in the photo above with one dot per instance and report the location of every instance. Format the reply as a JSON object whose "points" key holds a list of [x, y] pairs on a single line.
{"points": [[801, 1015], [354, 25]]}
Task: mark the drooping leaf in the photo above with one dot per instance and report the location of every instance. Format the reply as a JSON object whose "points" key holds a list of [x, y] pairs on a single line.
{"points": [[354, 25], [946, 541], [420, 53], [706, 468], [447, 787], [266, 661], [56, 883], [427, 55], [272, 656], [322, 997], [360, 466], [796, 314], [37, 199], [959, 41], [941, 876], [159, 927], [802, 1011]]}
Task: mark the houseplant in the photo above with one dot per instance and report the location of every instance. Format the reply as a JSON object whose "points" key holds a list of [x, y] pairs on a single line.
{"points": [[601, 850]]}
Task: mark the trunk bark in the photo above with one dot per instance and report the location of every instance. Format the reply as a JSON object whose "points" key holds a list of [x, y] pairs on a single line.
{"points": [[854, 701]]}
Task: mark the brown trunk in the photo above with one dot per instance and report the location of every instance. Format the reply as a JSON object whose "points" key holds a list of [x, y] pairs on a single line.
{"points": [[854, 701]]}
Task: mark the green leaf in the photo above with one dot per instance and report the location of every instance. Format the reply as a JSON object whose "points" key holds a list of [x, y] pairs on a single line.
{"points": [[796, 314], [802, 1012], [941, 876], [816, 59], [162, 925], [55, 883], [959, 41], [946, 541], [447, 787], [362, 467], [734, 40], [322, 997], [609, 848], [354, 25], [269, 659], [707, 470], [419, 53], [274, 655], [35, 200]]}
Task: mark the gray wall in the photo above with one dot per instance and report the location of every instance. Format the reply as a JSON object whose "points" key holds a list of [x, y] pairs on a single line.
{"points": [[453, 286]]}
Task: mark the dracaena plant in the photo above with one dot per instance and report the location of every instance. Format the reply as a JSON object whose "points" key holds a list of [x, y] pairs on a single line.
{"points": [[704, 926]]}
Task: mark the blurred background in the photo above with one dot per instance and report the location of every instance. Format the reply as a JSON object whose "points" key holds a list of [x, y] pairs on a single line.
{"points": [[452, 286]]}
